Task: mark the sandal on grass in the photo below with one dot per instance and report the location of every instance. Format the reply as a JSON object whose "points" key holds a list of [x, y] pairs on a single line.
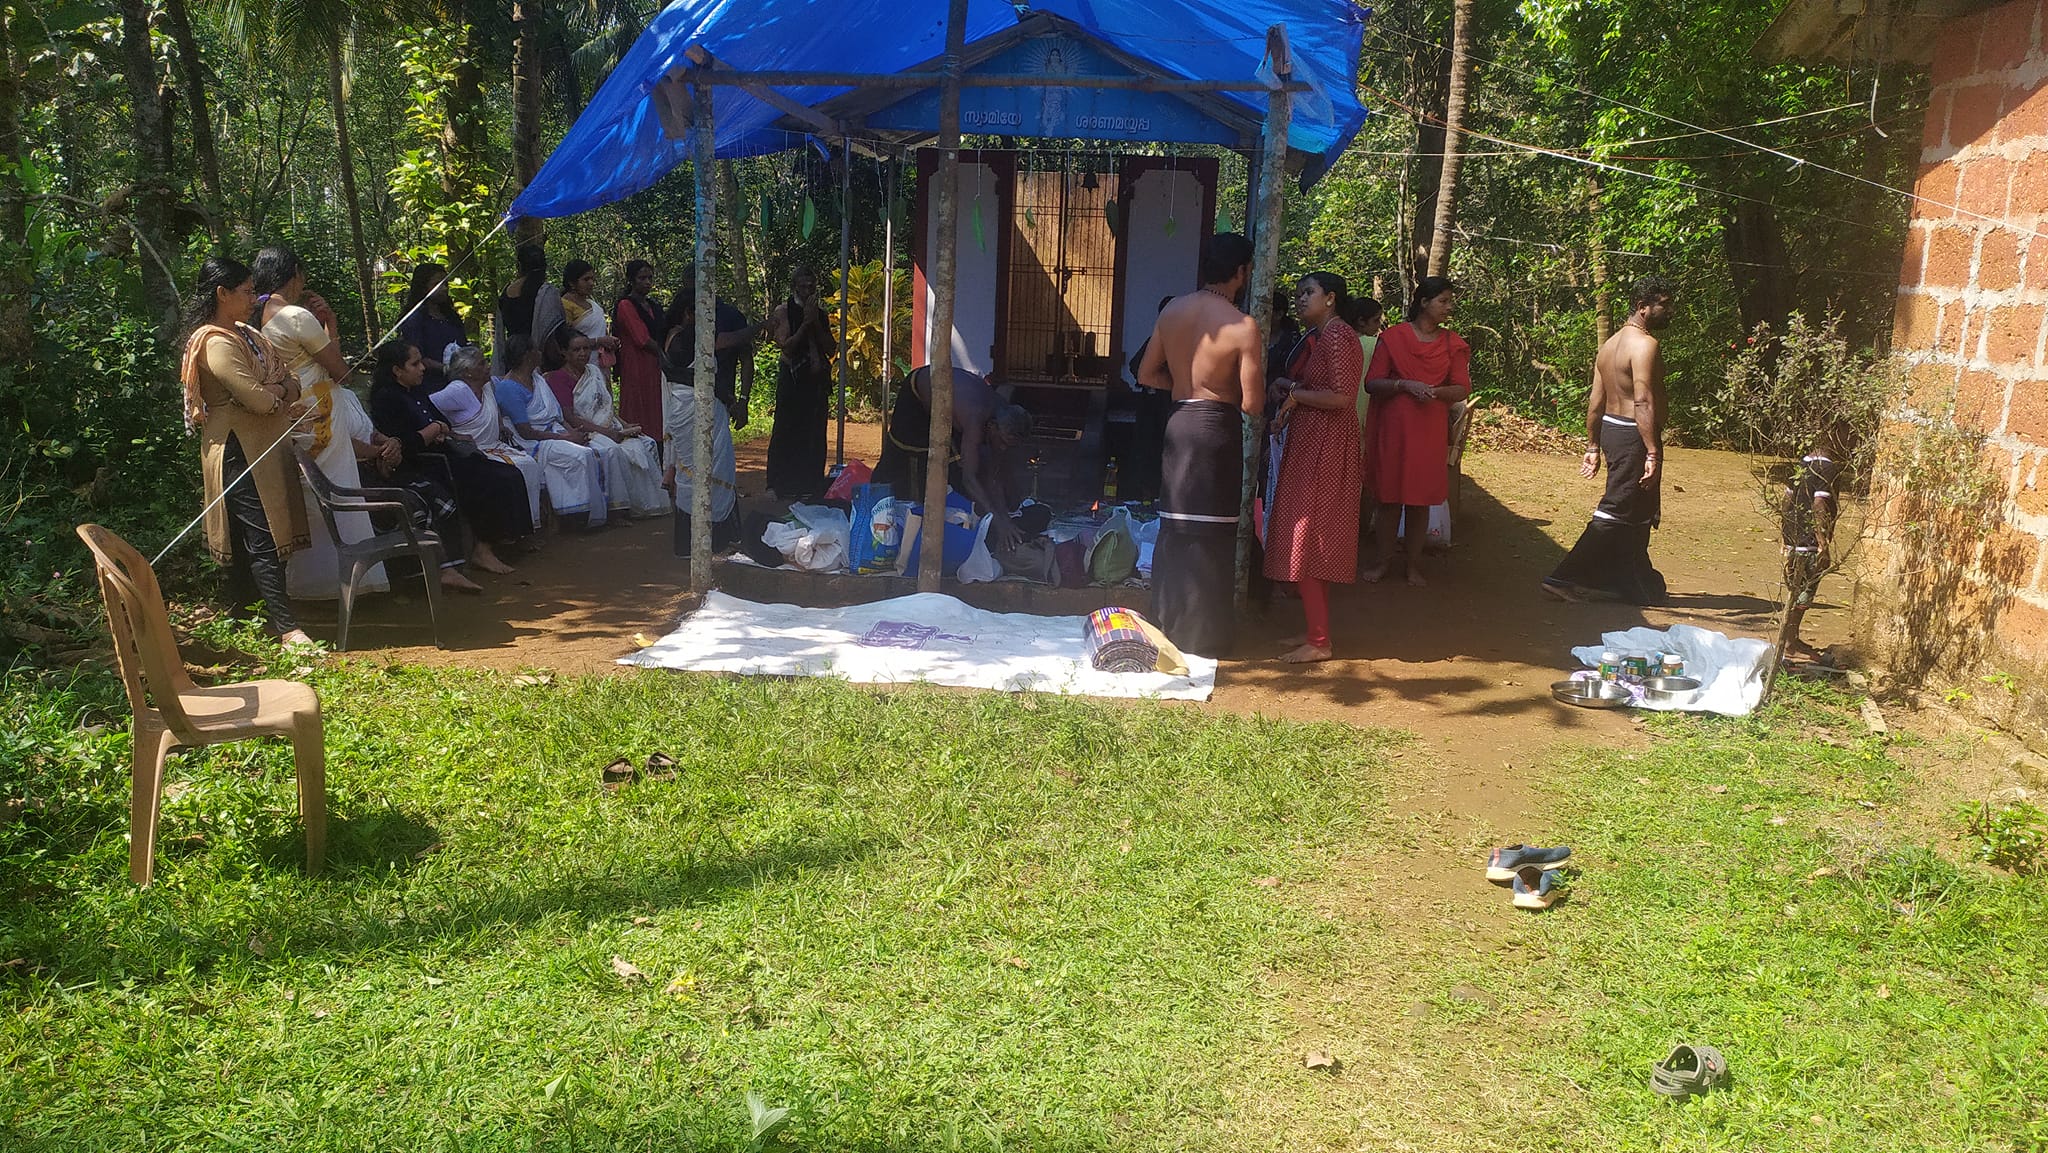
{"points": [[660, 767], [1690, 1070], [1501, 863], [1535, 887], [618, 775]]}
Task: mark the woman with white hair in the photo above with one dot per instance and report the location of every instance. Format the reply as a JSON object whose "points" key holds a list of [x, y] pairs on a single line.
{"points": [[471, 404], [632, 461], [570, 470]]}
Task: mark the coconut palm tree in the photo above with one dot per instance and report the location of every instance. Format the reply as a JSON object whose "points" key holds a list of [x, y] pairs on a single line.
{"points": [[1454, 137]]}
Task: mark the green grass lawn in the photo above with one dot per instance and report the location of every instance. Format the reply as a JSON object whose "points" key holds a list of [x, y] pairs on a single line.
{"points": [[925, 920], [909, 918]]}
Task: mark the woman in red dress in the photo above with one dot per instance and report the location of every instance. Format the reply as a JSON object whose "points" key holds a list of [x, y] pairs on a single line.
{"points": [[637, 324], [1418, 371], [1312, 531]]}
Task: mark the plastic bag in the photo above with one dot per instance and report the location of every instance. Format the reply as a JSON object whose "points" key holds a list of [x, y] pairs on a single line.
{"points": [[815, 542], [850, 478], [876, 532], [980, 564], [1114, 556]]}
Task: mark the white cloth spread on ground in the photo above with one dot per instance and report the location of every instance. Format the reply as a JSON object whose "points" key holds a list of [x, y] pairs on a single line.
{"points": [[926, 637], [1730, 670]]}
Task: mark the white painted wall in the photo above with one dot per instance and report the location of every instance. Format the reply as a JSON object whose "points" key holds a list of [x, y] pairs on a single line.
{"points": [[1157, 264], [974, 294]]}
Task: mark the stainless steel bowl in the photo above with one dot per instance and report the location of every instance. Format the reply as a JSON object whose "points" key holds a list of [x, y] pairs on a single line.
{"points": [[1671, 690], [1591, 694]]}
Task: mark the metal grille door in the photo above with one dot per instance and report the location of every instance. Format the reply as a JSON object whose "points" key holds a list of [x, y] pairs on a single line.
{"points": [[1061, 278]]}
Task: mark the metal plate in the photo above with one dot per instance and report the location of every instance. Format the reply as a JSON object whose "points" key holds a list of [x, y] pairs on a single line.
{"points": [[1591, 694], [1670, 690]]}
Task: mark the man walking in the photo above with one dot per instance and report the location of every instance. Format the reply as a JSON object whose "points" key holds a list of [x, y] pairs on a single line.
{"points": [[1206, 352], [1625, 423]]}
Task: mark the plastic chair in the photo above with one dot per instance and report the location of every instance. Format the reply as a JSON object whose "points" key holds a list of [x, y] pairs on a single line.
{"points": [[185, 715], [351, 561]]}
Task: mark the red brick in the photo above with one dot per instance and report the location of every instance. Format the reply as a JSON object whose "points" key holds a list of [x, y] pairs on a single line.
{"points": [[1973, 113], [1930, 385], [2021, 628], [1936, 189], [2031, 499], [2009, 557], [2028, 196], [1935, 125], [1983, 188], [1916, 322], [2026, 115], [2027, 412], [1915, 259], [1949, 249], [2008, 36], [1998, 261], [1980, 400], [2010, 334], [1955, 50]]}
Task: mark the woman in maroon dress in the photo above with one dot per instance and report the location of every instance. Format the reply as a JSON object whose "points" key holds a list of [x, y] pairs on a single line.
{"points": [[1312, 531], [1418, 371], [638, 325]]}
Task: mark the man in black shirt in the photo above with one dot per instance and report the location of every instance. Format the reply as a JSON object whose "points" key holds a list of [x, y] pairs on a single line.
{"points": [[734, 348]]}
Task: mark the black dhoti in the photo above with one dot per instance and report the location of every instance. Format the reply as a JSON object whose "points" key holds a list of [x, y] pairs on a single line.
{"points": [[1613, 555], [906, 447], [1194, 563]]}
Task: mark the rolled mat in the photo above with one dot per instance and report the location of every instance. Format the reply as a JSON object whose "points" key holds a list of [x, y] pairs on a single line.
{"points": [[1121, 641]]}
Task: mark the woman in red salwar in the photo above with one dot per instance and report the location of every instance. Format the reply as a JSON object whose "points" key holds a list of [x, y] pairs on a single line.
{"points": [[1312, 530], [638, 325], [1418, 371]]}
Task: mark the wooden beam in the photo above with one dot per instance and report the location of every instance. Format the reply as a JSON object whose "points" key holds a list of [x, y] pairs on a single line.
{"points": [[939, 342], [704, 170], [796, 110], [845, 273], [735, 79], [1265, 268]]}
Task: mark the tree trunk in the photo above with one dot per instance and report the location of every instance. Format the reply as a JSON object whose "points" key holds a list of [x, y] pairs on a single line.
{"points": [[337, 94], [459, 112], [193, 73], [1429, 81], [1603, 297], [526, 93], [1758, 265], [151, 201], [1454, 141], [735, 245], [16, 333]]}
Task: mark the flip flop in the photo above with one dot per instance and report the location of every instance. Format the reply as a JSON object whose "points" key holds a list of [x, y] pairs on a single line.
{"points": [[1690, 1070], [660, 767], [1535, 887], [618, 775], [1502, 862]]}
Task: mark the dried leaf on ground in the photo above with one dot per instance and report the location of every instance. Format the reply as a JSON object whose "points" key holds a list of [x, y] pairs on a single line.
{"points": [[1016, 962], [627, 970], [533, 680], [1498, 428], [1317, 1059], [1267, 882]]}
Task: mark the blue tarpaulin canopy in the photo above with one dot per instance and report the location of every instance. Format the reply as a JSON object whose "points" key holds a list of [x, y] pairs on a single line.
{"points": [[617, 147]]}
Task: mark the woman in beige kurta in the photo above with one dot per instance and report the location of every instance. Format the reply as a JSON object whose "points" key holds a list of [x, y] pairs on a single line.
{"points": [[240, 397]]}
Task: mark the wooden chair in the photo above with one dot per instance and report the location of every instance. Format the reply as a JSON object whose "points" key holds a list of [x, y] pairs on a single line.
{"points": [[172, 713], [354, 559]]}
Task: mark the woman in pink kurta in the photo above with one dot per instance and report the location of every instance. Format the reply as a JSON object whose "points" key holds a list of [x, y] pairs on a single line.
{"points": [[637, 324], [1312, 531], [1419, 369]]}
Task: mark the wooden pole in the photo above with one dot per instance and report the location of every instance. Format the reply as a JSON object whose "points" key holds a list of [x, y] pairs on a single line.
{"points": [[939, 340], [704, 169], [1272, 174], [888, 271], [845, 272]]}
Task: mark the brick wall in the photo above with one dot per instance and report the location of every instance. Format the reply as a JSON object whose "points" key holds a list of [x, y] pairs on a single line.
{"points": [[1972, 320]]}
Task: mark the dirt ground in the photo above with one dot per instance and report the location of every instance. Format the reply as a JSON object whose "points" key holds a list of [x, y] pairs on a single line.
{"points": [[1463, 663]]}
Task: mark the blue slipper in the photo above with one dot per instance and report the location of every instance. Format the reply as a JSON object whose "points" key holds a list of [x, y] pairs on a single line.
{"points": [[1502, 863], [1535, 887]]}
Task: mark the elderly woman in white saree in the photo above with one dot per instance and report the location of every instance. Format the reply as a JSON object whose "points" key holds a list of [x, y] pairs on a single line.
{"points": [[471, 404], [632, 462], [571, 472], [337, 433]]}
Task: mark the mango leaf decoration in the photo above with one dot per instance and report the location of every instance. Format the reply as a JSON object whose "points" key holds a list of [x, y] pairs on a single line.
{"points": [[1113, 212], [980, 229], [1223, 220], [1030, 220], [767, 214], [810, 217], [1172, 225]]}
